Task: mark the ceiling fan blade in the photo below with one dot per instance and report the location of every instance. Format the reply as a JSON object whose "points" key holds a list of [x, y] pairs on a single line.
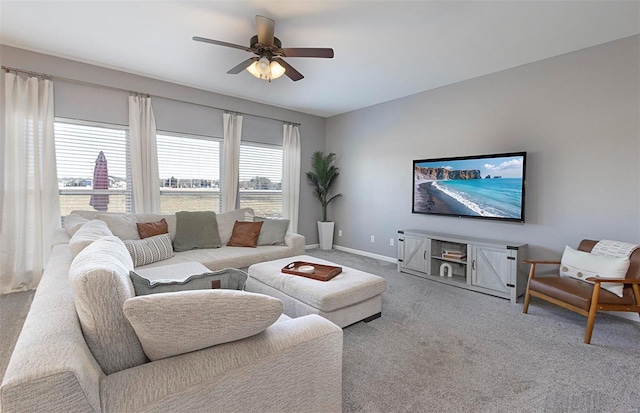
{"points": [[237, 69], [307, 52], [292, 73], [219, 43], [265, 30]]}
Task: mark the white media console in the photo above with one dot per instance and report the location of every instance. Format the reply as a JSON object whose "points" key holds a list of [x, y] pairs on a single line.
{"points": [[486, 266]]}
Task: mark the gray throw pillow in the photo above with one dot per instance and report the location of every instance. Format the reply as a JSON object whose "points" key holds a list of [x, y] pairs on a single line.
{"points": [[272, 231], [229, 279], [197, 229]]}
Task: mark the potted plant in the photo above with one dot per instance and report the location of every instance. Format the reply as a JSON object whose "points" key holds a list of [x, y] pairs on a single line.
{"points": [[321, 178]]}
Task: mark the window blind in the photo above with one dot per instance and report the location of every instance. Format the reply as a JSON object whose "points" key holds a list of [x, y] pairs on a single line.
{"points": [[78, 146], [189, 169], [260, 179]]}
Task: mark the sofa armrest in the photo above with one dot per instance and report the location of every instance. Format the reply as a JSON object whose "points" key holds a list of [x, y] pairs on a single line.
{"points": [[296, 242], [294, 365]]}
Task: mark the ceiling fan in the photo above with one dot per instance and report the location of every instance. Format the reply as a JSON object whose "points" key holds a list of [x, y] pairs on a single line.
{"points": [[269, 63]]}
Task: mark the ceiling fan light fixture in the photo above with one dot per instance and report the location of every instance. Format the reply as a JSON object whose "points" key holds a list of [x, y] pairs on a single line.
{"points": [[263, 69], [276, 70]]}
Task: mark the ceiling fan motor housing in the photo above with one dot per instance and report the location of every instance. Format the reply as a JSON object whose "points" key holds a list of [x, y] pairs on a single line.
{"points": [[260, 49]]}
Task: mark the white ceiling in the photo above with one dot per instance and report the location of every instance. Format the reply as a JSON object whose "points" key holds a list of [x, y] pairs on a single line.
{"points": [[383, 49]]}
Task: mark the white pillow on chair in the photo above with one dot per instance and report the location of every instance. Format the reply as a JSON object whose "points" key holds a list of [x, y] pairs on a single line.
{"points": [[582, 265]]}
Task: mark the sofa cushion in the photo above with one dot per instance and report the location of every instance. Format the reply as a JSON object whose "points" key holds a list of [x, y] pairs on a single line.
{"points": [[185, 277], [581, 265], [88, 233], [73, 222], [196, 230], [123, 226], [169, 218], [272, 231], [100, 283], [175, 323], [245, 234], [226, 221], [150, 229], [87, 214], [149, 250]]}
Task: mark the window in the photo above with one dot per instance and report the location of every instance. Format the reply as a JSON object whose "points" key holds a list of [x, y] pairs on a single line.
{"points": [[189, 169], [260, 177], [88, 180]]}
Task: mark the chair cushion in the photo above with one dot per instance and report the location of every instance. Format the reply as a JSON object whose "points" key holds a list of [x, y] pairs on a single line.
{"points": [[100, 283], [581, 265], [175, 323], [574, 291]]}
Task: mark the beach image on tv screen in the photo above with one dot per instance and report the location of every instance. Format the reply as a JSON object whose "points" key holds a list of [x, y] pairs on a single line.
{"points": [[481, 187]]}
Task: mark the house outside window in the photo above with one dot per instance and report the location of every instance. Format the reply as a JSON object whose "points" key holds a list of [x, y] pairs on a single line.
{"points": [[260, 179], [93, 166], [189, 169]]}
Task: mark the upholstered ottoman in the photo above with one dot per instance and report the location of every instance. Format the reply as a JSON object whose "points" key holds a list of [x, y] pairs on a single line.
{"points": [[349, 297]]}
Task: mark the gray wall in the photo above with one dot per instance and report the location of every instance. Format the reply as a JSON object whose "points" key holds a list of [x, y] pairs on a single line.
{"points": [[577, 116], [92, 103]]}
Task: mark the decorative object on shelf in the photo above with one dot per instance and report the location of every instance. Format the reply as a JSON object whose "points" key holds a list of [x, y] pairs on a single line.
{"points": [[454, 255], [446, 270], [322, 177]]}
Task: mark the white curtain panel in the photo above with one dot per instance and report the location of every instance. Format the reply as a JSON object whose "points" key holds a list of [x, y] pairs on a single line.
{"points": [[144, 156], [30, 204], [291, 175], [231, 160]]}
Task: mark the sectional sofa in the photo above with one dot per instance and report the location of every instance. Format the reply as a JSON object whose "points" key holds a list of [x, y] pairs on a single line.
{"points": [[78, 352]]}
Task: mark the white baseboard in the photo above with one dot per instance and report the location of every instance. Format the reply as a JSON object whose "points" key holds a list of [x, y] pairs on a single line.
{"points": [[366, 254], [357, 252]]}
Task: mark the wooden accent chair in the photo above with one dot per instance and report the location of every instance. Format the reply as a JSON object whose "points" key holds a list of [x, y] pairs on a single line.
{"points": [[585, 298]]}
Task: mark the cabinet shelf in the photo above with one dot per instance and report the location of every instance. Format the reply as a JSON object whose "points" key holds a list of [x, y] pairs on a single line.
{"points": [[497, 267], [449, 260]]}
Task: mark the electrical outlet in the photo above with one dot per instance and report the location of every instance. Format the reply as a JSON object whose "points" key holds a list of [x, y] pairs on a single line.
{"points": [[339, 232], [373, 239], [391, 241]]}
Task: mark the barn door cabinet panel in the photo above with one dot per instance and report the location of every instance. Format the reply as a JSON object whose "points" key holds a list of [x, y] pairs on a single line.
{"points": [[487, 266]]}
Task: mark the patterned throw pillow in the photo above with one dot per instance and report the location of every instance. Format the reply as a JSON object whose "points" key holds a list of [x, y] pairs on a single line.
{"points": [[150, 250]]}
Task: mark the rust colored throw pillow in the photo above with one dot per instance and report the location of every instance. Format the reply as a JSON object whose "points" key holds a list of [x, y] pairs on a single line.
{"points": [[245, 234], [151, 229]]}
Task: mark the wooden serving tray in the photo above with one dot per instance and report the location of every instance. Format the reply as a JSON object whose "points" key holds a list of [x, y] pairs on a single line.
{"points": [[322, 272]]}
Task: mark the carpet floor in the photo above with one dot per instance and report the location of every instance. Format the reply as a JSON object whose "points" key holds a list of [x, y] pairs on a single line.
{"points": [[439, 348], [13, 311]]}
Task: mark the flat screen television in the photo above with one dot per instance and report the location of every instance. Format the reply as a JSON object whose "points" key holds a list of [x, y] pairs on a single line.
{"points": [[484, 186]]}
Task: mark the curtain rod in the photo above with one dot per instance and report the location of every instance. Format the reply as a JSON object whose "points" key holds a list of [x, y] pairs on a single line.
{"points": [[82, 82]]}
